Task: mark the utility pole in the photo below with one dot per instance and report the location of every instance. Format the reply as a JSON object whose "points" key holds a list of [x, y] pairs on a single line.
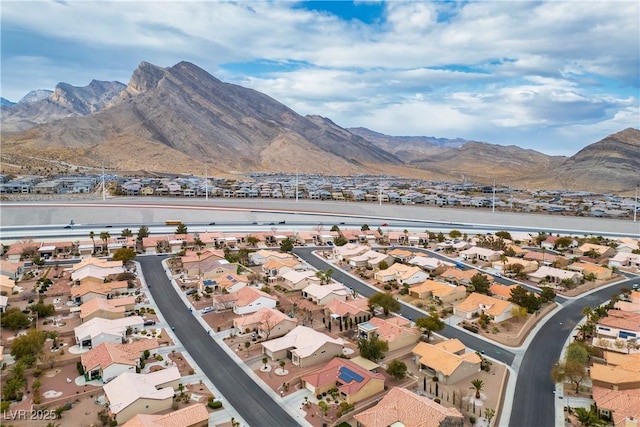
{"points": [[635, 209], [104, 194], [206, 182], [493, 205]]}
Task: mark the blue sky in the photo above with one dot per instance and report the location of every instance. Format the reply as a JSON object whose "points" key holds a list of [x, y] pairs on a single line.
{"points": [[551, 76]]}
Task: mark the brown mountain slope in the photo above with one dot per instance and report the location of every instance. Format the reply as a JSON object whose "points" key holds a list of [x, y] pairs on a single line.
{"points": [[609, 165], [189, 111]]}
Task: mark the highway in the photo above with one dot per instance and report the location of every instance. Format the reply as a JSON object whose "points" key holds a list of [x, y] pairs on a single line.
{"points": [[252, 403]]}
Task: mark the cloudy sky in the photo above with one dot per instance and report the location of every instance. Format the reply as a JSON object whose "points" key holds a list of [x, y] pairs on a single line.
{"points": [[552, 76]]}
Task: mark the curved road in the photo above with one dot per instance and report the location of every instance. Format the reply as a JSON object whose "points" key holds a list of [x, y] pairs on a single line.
{"points": [[252, 403]]}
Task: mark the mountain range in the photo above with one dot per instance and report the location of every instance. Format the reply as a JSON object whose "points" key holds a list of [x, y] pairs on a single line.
{"points": [[182, 119]]}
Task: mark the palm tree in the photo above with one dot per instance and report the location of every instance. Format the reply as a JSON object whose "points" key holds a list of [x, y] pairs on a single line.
{"points": [[477, 384], [588, 418], [92, 236], [104, 236]]}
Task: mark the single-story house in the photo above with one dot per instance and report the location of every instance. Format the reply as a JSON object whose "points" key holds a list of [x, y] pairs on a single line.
{"points": [[554, 275], [131, 394], [621, 406], [304, 346], [354, 383], [619, 372], [250, 300], [269, 323], [438, 291], [106, 308], [90, 289], [403, 407], [99, 330], [108, 360], [95, 267], [587, 269], [395, 330], [347, 314], [190, 416], [324, 294], [481, 254], [601, 250], [447, 364], [298, 280], [476, 304]]}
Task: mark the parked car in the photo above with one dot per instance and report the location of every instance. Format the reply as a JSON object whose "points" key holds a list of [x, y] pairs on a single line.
{"points": [[207, 310], [149, 322], [191, 291]]}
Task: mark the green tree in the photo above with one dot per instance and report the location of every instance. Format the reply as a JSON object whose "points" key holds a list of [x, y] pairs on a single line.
{"points": [[386, 301], [577, 351], [143, 232], [126, 233], [340, 241], [253, 240], [124, 254], [29, 344], [286, 245], [478, 385], [455, 234], [519, 312], [431, 323], [562, 242], [43, 310], [503, 234], [364, 227], [440, 237], [335, 228], [489, 413], [14, 319], [480, 283], [181, 229], [383, 265], [570, 370], [397, 369], [547, 294], [372, 348]]}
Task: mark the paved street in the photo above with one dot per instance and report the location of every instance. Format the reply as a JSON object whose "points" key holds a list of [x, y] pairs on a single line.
{"points": [[256, 407], [533, 404]]}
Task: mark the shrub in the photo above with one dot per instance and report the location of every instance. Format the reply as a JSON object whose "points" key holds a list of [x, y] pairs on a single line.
{"points": [[472, 420], [387, 287], [80, 368], [318, 396], [214, 404], [159, 358], [437, 400], [420, 304]]}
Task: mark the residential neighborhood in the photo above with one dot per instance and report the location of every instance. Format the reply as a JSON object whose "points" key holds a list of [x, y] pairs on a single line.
{"points": [[303, 333]]}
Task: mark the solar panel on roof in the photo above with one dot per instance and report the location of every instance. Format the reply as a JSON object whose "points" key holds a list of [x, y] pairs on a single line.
{"points": [[347, 375]]}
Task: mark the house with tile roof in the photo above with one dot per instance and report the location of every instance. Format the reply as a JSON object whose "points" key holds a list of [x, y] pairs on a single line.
{"points": [[476, 304], [15, 251], [298, 280], [402, 255], [106, 308], [90, 289], [7, 285], [195, 415], [402, 407], [250, 300], [261, 256], [620, 371], [461, 277], [545, 258], [623, 259], [438, 291], [601, 250], [305, 346], [230, 282], [324, 294], [344, 315], [445, 361], [269, 323], [508, 262], [370, 259], [501, 291], [274, 269], [430, 264], [354, 383], [395, 330], [12, 270], [96, 267], [131, 394], [617, 330], [108, 360], [99, 330], [587, 269], [620, 406], [211, 263], [402, 274], [554, 275], [350, 250], [481, 254]]}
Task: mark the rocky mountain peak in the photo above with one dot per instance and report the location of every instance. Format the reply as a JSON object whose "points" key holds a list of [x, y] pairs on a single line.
{"points": [[145, 78], [35, 96]]}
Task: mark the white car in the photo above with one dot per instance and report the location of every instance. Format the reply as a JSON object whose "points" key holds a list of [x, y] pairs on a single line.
{"points": [[207, 310]]}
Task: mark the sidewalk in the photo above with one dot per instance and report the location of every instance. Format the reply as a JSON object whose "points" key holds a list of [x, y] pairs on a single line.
{"points": [[217, 417], [286, 403]]}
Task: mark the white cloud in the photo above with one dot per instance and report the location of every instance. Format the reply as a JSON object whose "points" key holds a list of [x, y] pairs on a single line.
{"points": [[503, 70]]}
